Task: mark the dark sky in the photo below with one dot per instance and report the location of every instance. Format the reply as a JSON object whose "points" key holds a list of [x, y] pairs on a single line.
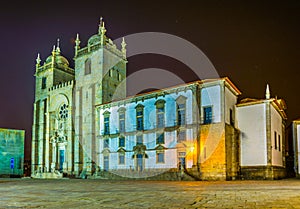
{"points": [[251, 42]]}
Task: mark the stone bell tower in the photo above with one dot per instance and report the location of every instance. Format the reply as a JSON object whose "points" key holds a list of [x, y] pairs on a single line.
{"points": [[52, 127], [100, 72]]}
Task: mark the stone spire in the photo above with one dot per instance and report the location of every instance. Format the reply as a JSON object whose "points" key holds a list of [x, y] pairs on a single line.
{"points": [[38, 60], [102, 31], [57, 48], [123, 44], [53, 55], [77, 44], [268, 95]]}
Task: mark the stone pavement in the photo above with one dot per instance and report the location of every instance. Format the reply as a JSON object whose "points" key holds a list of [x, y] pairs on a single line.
{"points": [[87, 193]]}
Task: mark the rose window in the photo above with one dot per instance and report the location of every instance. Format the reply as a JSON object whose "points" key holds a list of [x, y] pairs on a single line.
{"points": [[63, 111]]}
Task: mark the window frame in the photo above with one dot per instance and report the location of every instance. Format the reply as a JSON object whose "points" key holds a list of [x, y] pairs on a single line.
{"points": [[120, 143], [160, 138], [88, 66], [139, 140], [139, 117], [159, 154], [106, 123], [121, 154], [208, 118], [106, 143], [44, 83]]}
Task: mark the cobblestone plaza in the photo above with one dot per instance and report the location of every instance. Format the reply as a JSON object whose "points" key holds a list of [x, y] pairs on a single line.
{"points": [[77, 193]]}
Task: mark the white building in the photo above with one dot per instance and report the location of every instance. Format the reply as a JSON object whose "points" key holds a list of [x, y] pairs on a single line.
{"points": [[295, 146], [262, 126], [187, 125]]}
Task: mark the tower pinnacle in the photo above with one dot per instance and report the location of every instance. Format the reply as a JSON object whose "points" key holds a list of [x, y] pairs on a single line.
{"points": [[123, 44], [101, 26], [268, 95], [57, 48], [77, 44], [38, 60]]}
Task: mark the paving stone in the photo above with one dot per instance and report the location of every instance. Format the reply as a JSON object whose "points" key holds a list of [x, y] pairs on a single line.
{"points": [[85, 193]]}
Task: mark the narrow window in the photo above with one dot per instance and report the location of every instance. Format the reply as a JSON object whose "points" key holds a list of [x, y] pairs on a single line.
{"points": [[207, 115], [106, 143], [106, 163], [279, 143], [181, 136], [110, 72], [122, 141], [87, 66], [106, 124], [140, 117], [139, 140], [119, 77], [160, 113], [44, 82], [231, 117], [122, 121], [121, 158], [275, 140], [160, 156], [160, 138], [181, 114], [204, 153]]}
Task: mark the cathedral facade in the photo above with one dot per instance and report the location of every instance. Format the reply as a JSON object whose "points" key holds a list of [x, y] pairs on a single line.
{"points": [[85, 126]]}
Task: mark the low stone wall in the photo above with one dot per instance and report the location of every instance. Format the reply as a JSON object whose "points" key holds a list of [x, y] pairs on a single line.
{"points": [[262, 173], [170, 175]]}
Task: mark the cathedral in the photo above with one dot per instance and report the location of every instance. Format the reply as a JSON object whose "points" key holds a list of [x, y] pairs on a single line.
{"points": [[86, 127]]}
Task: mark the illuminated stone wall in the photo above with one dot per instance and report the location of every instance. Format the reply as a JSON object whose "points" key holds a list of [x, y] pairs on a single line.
{"points": [[11, 146]]}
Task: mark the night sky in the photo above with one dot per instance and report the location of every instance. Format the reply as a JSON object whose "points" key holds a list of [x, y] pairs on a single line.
{"points": [[251, 42]]}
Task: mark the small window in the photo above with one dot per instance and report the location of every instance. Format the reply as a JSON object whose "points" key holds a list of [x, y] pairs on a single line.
{"points": [[207, 115], [106, 125], [231, 117], [106, 143], [87, 67], [160, 157], [139, 140], [121, 158], [181, 114], [122, 122], [106, 122], [275, 140], [106, 163], [119, 77], [160, 117], [279, 143], [110, 73], [122, 142], [160, 113], [140, 118], [160, 139], [181, 136], [44, 82]]}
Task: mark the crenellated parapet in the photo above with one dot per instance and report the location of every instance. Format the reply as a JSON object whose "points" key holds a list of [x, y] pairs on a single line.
{"points": [[62, 85]]}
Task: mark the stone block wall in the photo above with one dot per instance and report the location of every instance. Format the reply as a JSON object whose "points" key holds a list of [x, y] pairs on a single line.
{"points": [[213, 154]]}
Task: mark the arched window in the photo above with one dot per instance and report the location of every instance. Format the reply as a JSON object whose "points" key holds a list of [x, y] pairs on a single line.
{"points": [[181, 110], [106, 122], [139, 117], [122, 119], [160, 113], [87, 66]]}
